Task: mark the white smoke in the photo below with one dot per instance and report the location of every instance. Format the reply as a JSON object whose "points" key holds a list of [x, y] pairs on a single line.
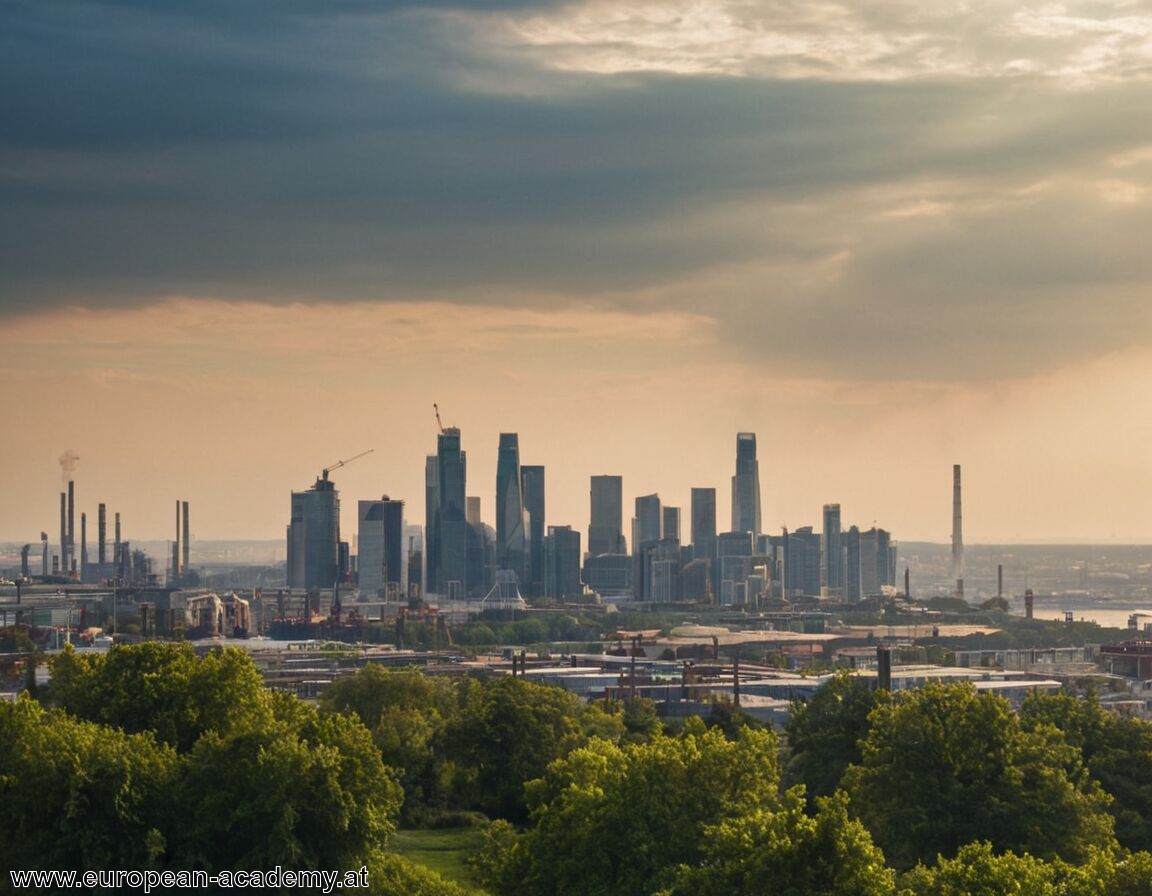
{"points": [[68, 464]]}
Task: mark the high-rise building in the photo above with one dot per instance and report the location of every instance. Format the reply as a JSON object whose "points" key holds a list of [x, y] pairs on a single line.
{"points": [[746, 486], [831, 551], [562, 564], [704, 523], [672, 522], [382, 558], [734, 562], [532, 487], [647, 527], [314, 536], [431, 552], [510, 535], [606, 525], [448, 560]]}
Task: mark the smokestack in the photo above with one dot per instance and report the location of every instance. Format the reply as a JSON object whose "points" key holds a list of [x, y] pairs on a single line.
{"points": [[907, 585], [25, 572], [102, 534], [999, 579], [184, 564], [83, 547], [44, 558], [71, 524], [957, 533], [1029, 598], [63, 530], [176, 545], [116, 557]]}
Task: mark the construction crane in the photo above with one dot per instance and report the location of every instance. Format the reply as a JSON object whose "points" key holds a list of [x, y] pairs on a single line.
{"points": [[341, 463], [436, 408]]}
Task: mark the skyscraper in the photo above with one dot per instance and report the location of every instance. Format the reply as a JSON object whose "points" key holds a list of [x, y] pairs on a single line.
{"points": [[314, 536], [746, 486], [562, 562], [382, 552], [831, 550], [451, 528], [606, 525], [647, 528], [510, 536], [532, 487], [431, 552], [704, 524]]}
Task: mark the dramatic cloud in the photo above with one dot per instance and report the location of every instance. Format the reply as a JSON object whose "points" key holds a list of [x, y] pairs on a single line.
{"points": [[884, 190]]}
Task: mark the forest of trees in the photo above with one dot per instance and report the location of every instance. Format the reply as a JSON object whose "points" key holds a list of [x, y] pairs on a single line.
{"points": [[150, 757]]}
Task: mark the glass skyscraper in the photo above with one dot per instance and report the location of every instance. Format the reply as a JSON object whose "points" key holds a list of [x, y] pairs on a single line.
{"points": [[510, 535], [532, 487], [314, 537], [606, 525], [746, 486]]}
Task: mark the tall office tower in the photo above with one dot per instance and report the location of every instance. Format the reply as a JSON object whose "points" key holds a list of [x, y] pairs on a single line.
{"points": [[647, 527], [431, 552], [314, 536], [831, 561], [733, 563], [853, 582], [672, 522], [510, 537], [704, 523], [479, 577], [452, 522], [381, 548], [874, 561], [957, 533], [562, 564], [746, 486], [532, 484], [606, 524]]}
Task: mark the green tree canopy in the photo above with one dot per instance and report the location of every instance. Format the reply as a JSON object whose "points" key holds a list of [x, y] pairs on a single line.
{"points": [[619, 819], [943, 766], [163, 688], [787, 852], [78, 795], [1117, 750], [824, 734]]}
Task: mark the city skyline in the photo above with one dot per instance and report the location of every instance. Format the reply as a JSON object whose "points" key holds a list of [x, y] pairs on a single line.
{"points": [[242, 241]]}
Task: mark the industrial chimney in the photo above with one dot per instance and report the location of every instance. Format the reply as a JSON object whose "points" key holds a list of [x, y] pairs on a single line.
{"points": [[957, 534]]}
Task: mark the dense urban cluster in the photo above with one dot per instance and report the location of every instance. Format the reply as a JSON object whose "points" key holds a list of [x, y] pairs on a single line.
{"points": [[459, 556]]}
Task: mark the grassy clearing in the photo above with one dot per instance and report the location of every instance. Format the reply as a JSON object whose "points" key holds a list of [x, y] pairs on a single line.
{"points": [[445, 851]]}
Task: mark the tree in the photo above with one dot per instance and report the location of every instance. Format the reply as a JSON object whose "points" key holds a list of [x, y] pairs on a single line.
{"points": [[509, 732], [619, 819], [1117, 751], [163, 688], [943, 766], [824, 734], [977, 870], [788, 853], [77, 795], [316, 797]]}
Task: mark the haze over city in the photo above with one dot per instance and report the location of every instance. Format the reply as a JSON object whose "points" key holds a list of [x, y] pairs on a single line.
{"points": [[242, 241]]}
